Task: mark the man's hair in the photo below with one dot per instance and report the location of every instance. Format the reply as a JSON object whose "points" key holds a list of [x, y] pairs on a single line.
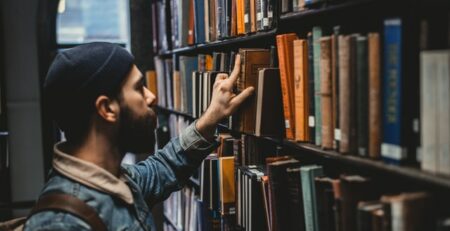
{"points": [[77, 77]]}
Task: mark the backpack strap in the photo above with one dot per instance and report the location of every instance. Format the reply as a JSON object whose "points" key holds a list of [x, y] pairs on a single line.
{"points": [[69, 204]]}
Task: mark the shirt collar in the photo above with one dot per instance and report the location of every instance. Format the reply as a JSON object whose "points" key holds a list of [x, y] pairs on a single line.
{"points": [[91, 175]]}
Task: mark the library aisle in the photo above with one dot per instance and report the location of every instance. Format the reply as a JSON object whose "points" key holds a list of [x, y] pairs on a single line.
{"points": [[347, 127]]}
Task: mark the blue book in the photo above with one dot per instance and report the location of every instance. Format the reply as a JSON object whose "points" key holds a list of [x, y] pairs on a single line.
{"points": [[199, 21], [392, 148], [188, 65]]}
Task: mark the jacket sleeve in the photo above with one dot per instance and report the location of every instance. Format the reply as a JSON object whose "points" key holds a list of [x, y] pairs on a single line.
{"points": [[169, 168], [51, 220]]}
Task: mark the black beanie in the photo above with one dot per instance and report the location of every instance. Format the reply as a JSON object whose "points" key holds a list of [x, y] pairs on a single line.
{"points": [[79, 75]]}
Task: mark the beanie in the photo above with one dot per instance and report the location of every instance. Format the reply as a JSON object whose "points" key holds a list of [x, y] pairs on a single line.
{"points": [[79, 75]]}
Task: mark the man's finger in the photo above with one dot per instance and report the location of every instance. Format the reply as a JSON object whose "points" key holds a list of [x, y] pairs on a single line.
{"points": [[221, 76], [237, 100], [236, 70]]}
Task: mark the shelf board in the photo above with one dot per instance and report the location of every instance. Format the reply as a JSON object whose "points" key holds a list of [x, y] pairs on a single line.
{"points": [[376, 166], [220, 44], [322, 10], [169, 221]]}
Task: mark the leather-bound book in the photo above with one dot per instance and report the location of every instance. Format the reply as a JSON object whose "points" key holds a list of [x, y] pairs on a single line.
{"points": [[286, 59], [335, 85], [252, 15], [325, 202], [410, 211], [296, 217], [316, 35], [353, 137], [364, 216], [354, 189], [374, 96], [362, 95], [326, 93], [344, 90], [278, 190], [251, 61], [301, 89]]}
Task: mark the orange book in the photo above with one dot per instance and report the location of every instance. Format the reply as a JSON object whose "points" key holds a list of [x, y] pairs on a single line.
{"points": [[233, 18], [286, 63], [150, 77], [301, 89], [240, 17], [191, 38], [227, 185], [209, 63], [252, 16]]}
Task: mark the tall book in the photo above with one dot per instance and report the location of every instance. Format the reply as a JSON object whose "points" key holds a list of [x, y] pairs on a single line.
{"points": [[199, 21], [301, 89], [188, 65], [311, 92], [279, 194], [226, 181], [269, 110], [374, 95], [316, 35], [434, 86], [251, 61], [191, 25], [325, 202], [240, 13], [326, 99], [285, 59], [400, 95], [183, 21], [344, 93], [308, 174], [362, 95], [335, 85]]}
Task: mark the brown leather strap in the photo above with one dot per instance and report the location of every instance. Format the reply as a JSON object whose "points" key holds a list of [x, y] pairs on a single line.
{"points": [[70, 204]]}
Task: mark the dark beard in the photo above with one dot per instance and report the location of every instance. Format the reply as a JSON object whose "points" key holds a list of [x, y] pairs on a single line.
{"points": [[136, 134]]}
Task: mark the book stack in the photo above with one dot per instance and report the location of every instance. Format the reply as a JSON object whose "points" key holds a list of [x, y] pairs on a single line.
{"points": [[178, 23]]}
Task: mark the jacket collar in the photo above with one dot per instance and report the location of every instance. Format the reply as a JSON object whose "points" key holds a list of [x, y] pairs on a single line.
{"points": [[91, 175]]}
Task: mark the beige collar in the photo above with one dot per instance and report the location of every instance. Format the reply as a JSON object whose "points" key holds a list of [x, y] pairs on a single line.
{"points": [[91, 175]]}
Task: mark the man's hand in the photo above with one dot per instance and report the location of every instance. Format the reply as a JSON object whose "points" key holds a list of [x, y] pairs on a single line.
{"points": [[223, 102]]}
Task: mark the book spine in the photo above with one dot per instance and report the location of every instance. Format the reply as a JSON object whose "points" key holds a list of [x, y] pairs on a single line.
{"points": [[240, 17], [241, 86], [317, 34], [311, 93], [299, 94], [283, 49], [307, 200], [252, 15], [392, 149], [259, 15], [344, 93], [325, 93], [443, 107], [374, 96], [335, 87], [199, 21], [191, 28], [362, 96], [206, 20], [353, 138], [247, 17]]}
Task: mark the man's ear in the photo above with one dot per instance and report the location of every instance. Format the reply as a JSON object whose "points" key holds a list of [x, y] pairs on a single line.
{"points": [[107, 108]]}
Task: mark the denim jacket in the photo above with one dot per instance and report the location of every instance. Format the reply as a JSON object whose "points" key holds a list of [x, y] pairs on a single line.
{"points": [[122, 203]]}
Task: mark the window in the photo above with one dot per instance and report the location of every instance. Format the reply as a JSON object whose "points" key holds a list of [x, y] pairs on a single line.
{"points": [[83, 21]]}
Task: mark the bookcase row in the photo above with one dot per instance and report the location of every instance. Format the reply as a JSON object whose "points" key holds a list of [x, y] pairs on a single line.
{"points": [[277, 192]]}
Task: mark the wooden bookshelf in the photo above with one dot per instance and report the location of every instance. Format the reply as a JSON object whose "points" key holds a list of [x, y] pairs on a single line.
{"points": [[357, 163]]}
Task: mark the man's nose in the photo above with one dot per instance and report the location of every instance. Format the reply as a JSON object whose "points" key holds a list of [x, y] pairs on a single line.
{"points": [[150, 97]]}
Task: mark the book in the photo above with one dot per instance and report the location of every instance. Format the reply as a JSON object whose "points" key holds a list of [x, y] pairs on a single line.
{"points": [[269, 111], [301, 90], [316, 35], [285, 58], [191, 24], [199, 21], [365, 212], [362, 97], [279, 194], [326, 101], [325, 202], [251, 61], [344, 93], [226, 181], [311, 92], [150, 78], [374, 150], [308, 174], [335, 85]]}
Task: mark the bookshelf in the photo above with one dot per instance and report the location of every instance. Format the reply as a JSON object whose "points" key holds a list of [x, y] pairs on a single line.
{"points": [[361, 16]]}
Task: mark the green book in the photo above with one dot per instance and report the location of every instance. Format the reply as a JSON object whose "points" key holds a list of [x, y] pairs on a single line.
{"points": [[317, 34], [308, 174]]}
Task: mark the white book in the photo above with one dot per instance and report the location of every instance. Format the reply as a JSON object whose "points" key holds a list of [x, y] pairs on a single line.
{"points": [[443, 109], [428, 111]]}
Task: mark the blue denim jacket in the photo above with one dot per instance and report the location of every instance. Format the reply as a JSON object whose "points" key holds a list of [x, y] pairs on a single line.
{"points": [[151, 181]]}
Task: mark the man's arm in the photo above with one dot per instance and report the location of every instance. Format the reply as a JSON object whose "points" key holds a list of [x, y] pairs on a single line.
{"points": [[169, 168]]}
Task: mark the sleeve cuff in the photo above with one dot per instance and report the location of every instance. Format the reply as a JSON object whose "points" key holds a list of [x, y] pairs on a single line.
{"points": [[191, 139]]}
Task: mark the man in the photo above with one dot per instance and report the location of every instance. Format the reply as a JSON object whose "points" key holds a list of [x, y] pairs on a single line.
{"points": [[98, 98]]}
